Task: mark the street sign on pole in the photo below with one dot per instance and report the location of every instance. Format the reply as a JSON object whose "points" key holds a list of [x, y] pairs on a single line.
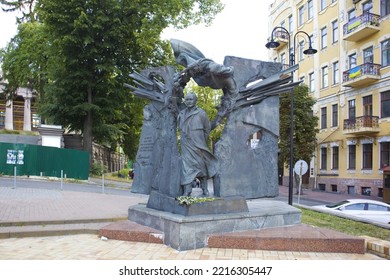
{"points": [[300, 168]]}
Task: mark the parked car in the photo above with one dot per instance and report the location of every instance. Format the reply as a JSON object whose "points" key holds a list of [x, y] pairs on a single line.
{"points": [[370, 210]]}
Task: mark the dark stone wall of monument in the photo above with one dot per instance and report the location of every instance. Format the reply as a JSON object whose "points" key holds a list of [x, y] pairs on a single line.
{"points": [[247, 168]]}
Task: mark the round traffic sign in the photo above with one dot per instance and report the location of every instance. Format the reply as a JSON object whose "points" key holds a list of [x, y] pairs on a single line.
{"points": [[301, 167]]}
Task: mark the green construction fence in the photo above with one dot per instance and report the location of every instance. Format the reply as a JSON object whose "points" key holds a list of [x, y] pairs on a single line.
{"points": [[33, 160]]}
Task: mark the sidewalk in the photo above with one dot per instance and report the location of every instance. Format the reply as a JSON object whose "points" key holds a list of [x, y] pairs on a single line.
{"points": [[58, 224]]}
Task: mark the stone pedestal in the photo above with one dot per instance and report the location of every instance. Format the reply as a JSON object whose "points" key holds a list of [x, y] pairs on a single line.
{"points": [[191, 232]]}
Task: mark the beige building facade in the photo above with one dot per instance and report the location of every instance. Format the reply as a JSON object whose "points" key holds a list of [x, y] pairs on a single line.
{"points": [[349, 77]]}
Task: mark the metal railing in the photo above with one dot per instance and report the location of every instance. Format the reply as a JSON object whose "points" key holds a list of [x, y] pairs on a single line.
{"points": [[365, 19], [361, 70], [361, 122]]}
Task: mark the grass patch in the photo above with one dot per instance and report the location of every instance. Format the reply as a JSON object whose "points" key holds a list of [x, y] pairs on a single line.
{"points": [[346, 226]]}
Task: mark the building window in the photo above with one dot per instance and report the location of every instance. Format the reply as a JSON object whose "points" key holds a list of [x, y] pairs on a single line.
{"points": [[368, 55], [300, 16], [335, 31], [385, 104], [290, 24], [335, 158], [385, 7], [323, 4], [310, 9], [367, 7], [283, 24], [323, 158], [367, 156], [385, 154], [352, 157], [324, 37], [352, 109], [351, 14], [301, 49], [352, 60], [283, 59], [351, 189], [336, 73], [367, 105], [335, 115], [366, 191], [334, 188], [323, 117], [311, 38], [322, 187], [324, 76], [385, 53], [311, 82]]}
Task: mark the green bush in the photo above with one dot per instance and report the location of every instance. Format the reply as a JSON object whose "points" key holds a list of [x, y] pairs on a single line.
{"points": [[98, 169]]}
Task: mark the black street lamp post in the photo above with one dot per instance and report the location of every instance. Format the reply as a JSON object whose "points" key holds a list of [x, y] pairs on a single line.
{"points": [[274, 44]]}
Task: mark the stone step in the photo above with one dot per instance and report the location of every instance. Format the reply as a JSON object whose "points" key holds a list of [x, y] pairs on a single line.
{"points": [[303, 238], [131, 231], [16, 231]]}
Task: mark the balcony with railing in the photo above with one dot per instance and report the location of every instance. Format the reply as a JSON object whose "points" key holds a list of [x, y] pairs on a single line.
{"points": [[361, 75], [282, 38], [361, 125], [361, 27]]}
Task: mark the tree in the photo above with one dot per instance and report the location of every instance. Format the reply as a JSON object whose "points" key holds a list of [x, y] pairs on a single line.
{"points": [[24, 60], [305, 126], [92, 47]]}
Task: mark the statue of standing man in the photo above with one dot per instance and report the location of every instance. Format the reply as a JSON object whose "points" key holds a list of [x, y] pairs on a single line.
{"points": [[197, 159]]}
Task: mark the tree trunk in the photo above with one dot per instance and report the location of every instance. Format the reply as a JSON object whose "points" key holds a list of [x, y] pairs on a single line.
{"points": [[87, 131]]}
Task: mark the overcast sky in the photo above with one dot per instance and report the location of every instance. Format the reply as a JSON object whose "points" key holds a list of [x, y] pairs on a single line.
{"points": [[240, 30]]}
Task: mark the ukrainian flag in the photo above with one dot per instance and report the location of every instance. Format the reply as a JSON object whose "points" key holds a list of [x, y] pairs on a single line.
{"points": [[355, 72]]}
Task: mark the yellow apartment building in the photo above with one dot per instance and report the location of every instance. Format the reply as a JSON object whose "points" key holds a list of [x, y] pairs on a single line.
{"points": [[349, 77]]}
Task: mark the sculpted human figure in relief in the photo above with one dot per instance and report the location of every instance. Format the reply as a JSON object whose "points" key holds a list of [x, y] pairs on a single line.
{"points": [[197, 159]]}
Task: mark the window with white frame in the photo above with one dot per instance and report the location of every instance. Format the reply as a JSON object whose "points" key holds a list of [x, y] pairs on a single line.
{"points": [[322, 4], [310, 12], [323, 164], [283, 58], [324, 76], [301, 49], [351, 157], [335, 158], [324, 37], [301, 15], [311, 82], [385, 53], [368, 55], [311, 37], [385, 104], [352, 60], [367, 7], [290, 24], [384, 154], [335, 31], [351, 14], [323, 117], [367, 155], [335, 115], [385, 7], [336, 72]]}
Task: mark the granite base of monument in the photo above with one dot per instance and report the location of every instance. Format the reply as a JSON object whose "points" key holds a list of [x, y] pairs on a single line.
{"points": [[221, 205], [191, 232]]}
